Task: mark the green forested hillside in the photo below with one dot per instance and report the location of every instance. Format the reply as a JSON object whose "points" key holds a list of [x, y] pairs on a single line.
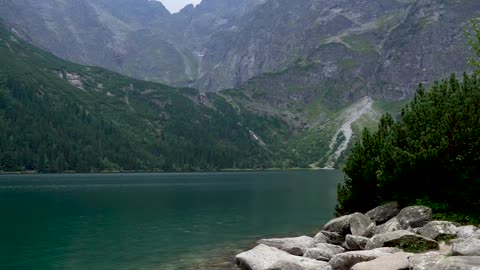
{"points": [[430, 156], [57, 116]]}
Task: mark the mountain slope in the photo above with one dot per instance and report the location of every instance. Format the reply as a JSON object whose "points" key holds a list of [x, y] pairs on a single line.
{"points": [[59, 116]]}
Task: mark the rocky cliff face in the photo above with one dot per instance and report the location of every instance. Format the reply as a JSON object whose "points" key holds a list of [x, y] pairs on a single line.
{"points": [[340, 49]]}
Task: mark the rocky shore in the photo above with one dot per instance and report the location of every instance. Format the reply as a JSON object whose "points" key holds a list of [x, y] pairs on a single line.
{"points": [[385, 238]]}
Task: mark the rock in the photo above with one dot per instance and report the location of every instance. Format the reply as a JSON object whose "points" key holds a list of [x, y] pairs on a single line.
{"points": [[391, 226], [263, 257], [469, 247], [295, 245], [435, 261], [344, 261], [330, 237], [361, 225], [397, 261], [414, 216], [354, 242], [356, 224], [323, 252], [340, 225], [436, 229], [383, 213], [426, 261], [466, 231], [402, 239]]}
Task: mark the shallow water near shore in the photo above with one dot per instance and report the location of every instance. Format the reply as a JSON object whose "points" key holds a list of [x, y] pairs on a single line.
{"points": [[155, 221]]}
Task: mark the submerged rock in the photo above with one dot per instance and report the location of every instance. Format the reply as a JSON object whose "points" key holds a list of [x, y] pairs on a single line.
{"points": [[383, 213], [263, 257], [436, 229], [414, 217], [403, 239], [344, 261], [294, 245]]}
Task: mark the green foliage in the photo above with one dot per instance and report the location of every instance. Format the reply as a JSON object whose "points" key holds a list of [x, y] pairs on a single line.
{"points": [[430, 156], [56, 116], [473, 37]]}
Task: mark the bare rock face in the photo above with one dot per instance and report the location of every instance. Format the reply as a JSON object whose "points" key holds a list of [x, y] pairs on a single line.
{"points": [[295, 245], [469, 247], [414, 216], [263, 257], [436, 229], [345, 261], [403, 239], [396, 261], [383, 213]]}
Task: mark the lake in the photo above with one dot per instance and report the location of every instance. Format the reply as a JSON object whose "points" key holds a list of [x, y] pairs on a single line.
{"points": [[155, 221]]}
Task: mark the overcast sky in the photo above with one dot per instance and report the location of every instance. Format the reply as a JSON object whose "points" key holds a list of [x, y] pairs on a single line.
{"points": [[177, 5]]}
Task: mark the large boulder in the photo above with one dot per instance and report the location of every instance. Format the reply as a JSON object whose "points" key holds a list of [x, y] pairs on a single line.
{"points": [[390, 226], [340, 225], [435, 261], [402, 239], [396, 261], [294, 245], [323, 252], [466, 231], [263, 257], [414, 217], [437, 229], [361, 225], [355, 224], [329, 237], [383, 213], [345, 261], [469, 247], [354, 242]]}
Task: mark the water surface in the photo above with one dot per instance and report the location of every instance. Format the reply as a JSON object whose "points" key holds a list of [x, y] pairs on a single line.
{"points": [[154, 221]]}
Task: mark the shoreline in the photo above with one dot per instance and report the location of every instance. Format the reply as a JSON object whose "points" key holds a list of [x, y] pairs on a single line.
{"points": [[168, 172]]}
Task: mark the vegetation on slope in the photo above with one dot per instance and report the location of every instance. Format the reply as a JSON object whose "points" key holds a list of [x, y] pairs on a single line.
{"points": [[57, 116]]}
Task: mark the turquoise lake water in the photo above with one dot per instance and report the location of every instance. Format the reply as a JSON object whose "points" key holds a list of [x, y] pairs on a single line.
{"points": [[155, 221]]}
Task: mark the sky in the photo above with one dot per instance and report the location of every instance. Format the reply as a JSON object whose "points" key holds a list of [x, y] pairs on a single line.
{"points": [[176, 5]]}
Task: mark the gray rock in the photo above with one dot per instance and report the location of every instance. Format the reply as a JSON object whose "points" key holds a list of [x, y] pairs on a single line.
{"points": [[340, 225], [295, 245], [263, 257], [354, 242], [344, 261], [397, 261], [402, 239], [330, 237], [383, 213], [466, 231], [391, 226], [323, 252], [435, 261], [436, 229], [414, 216], [469, 247], [356, 224], [361, 225]]}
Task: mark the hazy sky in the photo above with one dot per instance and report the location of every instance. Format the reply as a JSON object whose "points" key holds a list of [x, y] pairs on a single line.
{"points": [[177, 5]]}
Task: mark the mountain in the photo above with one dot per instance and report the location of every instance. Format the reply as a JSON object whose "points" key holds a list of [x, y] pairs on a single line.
{"points": [[59, 116], [319, 71]]}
